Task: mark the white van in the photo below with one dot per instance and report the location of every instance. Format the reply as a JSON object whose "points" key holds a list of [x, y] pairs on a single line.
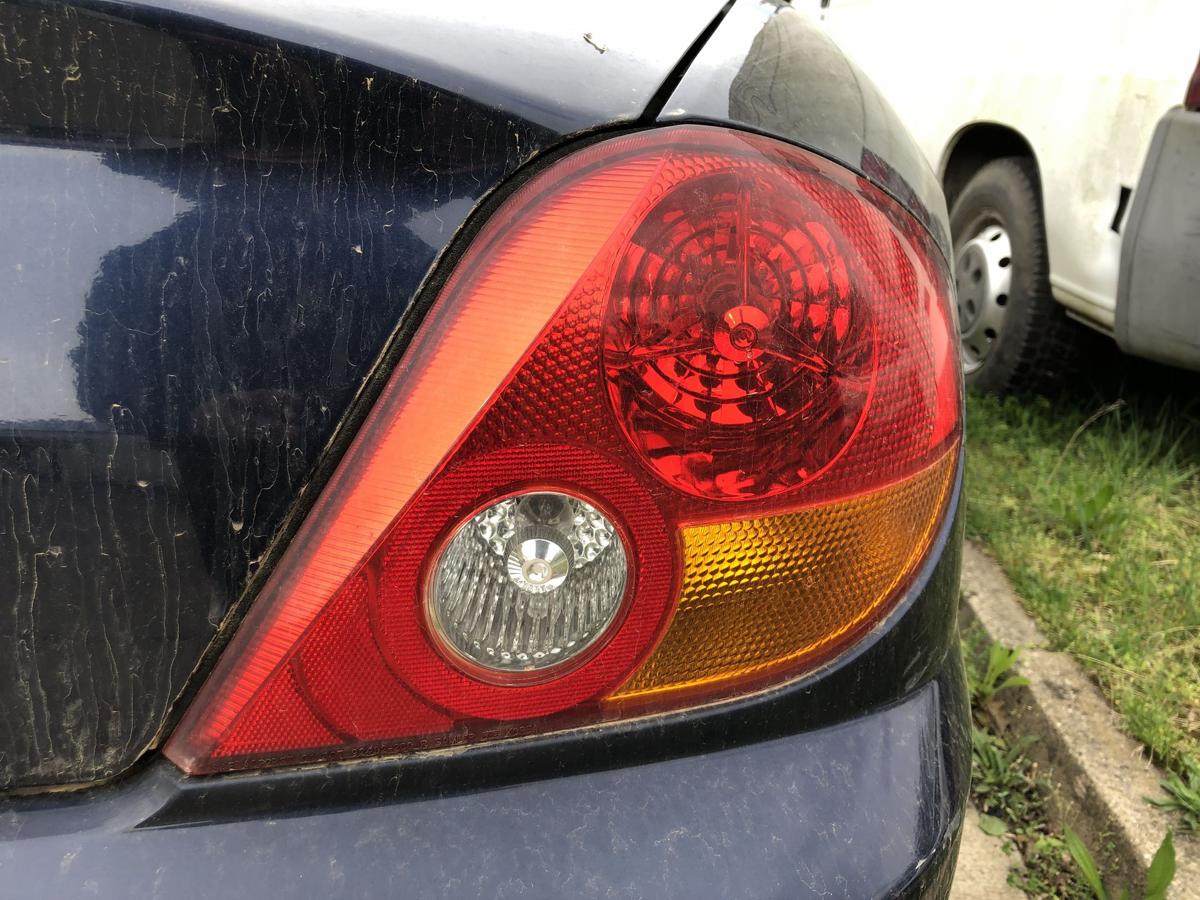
{"points": [[1067, 138]]}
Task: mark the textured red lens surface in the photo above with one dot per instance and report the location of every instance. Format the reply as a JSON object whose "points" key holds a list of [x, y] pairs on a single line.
{"points": [[735, 329], [696, 331]]}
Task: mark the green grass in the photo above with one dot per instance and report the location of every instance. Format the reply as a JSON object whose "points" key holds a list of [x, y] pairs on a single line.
{"points": [[1092, 507]]}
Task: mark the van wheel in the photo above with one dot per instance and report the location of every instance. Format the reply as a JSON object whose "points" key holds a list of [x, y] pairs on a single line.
{"points": [[1014, 336]]}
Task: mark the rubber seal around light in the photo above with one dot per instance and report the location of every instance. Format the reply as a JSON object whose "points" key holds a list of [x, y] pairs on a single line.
{"points": [[416, 656]]}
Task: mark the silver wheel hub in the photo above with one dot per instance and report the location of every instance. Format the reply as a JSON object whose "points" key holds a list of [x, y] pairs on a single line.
{"points": [[983, 275]]}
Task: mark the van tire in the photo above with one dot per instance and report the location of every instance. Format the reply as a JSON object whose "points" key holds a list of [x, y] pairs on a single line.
{"points": [[1038, 347]]}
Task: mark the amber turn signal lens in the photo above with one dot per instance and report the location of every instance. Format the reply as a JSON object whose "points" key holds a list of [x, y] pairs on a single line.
{"points": [[784, 592]]}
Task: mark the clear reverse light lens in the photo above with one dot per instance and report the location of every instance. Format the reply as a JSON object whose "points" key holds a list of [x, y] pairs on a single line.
{"points": [[528, 583]]}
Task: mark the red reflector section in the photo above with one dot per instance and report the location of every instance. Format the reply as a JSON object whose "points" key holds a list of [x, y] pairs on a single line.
{"points": [[727, 336], [686, 325]]}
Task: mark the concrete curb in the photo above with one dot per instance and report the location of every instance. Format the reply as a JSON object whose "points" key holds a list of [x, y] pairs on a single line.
{"points": [[1103, 774]]}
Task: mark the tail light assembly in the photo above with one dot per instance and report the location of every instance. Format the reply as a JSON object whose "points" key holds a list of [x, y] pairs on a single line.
{"points": [[680, 425]]}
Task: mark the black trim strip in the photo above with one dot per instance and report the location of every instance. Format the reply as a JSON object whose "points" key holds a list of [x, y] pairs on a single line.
{"points": [[658, 100]]}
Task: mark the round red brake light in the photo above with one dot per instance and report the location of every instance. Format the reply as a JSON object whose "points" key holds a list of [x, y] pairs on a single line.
{"points": [[740, 358]]}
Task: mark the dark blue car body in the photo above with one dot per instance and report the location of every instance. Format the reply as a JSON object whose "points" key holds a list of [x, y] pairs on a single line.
{"points": [[218, 224]]}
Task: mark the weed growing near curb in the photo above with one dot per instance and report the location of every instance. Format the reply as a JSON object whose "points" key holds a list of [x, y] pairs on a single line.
{"points": [[1158, 878], [995, 677], [1183, 797], [1010, 795], [1005, 784]]}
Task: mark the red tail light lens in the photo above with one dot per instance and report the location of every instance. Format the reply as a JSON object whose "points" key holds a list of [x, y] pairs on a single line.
{"points": [[729, 335], [1192, 99], [681, 424]]}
